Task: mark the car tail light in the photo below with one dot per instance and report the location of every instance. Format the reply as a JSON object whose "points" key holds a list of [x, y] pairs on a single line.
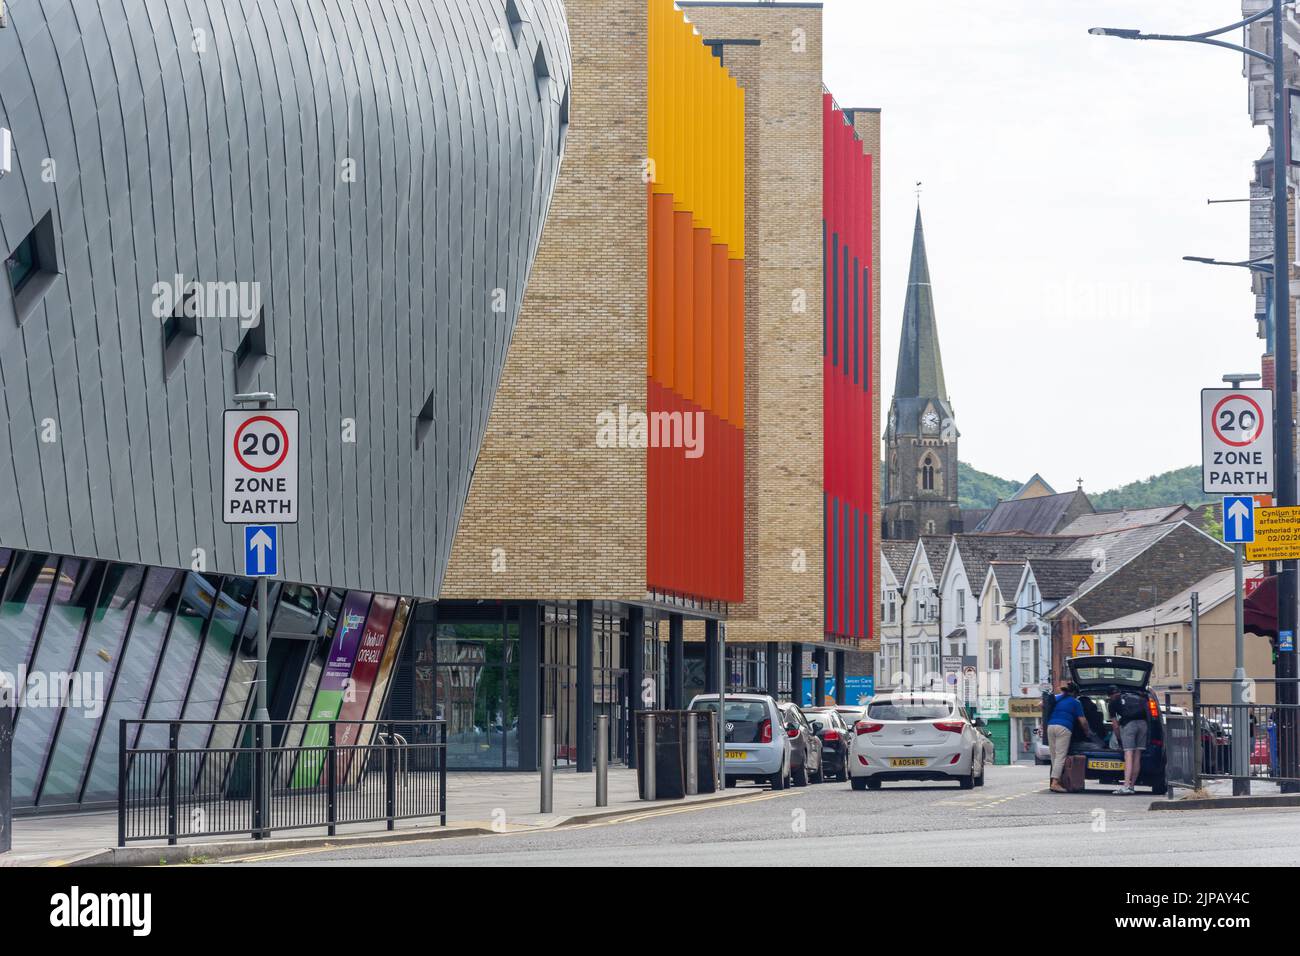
{"points": [[863, 760], [863, 727], [792, 732], [765, 732], [831, 735], [1153, 707], [955, 758], [951, 726]]}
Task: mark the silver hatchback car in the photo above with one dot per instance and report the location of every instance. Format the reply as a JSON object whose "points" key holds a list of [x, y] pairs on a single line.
{"points": [[757, 745]]}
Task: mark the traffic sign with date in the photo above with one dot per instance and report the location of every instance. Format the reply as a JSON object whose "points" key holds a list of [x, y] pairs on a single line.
{"points": [[261, 466], [261, 551], [1236, 441], [1239, 520], [1277, 535]]}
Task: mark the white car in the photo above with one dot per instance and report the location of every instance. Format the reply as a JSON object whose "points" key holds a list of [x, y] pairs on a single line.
{"points": [[917, 736]]}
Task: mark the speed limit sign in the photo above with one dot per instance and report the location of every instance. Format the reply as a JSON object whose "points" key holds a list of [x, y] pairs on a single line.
{"points": [[1237, 441], [261, 466]]}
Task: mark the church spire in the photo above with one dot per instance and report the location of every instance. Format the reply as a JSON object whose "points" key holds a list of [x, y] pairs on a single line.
{"points": [[920, 367]]}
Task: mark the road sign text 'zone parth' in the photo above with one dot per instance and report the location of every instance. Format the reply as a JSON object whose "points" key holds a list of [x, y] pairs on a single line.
{"points": [[260, 452], [1236, 441]]}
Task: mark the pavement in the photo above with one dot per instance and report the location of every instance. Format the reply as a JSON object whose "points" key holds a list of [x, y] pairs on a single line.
{"points": [[477, 804], [1014, 820]]}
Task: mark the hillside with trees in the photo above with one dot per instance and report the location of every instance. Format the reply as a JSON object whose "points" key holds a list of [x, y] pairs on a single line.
{"points": [[979, 489]]}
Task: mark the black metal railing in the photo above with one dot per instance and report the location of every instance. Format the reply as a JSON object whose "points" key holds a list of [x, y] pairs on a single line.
{"points": [[1271, 740], [191, 778]]}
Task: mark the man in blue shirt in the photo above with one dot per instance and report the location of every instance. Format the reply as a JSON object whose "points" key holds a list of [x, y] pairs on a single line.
{"points": [[1066, 715]]}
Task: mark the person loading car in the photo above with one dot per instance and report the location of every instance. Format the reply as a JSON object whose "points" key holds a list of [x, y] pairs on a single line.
{"points": [[1067, 713], [1128, 717]]}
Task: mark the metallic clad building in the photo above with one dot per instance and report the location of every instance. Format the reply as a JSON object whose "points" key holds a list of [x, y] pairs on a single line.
{"points": [[335, 201], [380, 169]]}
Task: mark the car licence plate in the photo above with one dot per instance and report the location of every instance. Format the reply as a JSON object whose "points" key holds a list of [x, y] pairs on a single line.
{"points": [[907, 761], [1106, 765], [737, 754]]}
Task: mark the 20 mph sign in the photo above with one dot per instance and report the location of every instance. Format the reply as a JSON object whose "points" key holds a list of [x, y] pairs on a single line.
{"points": [[1237, 441], [261, 466]]}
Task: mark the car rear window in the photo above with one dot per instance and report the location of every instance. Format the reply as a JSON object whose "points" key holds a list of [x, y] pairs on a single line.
{"points": [[1114, 673], [909, 709], [743, 719]]}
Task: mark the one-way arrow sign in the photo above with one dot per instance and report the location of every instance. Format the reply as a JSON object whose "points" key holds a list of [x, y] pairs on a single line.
{"points": [[1238, 520], [261, 550]]}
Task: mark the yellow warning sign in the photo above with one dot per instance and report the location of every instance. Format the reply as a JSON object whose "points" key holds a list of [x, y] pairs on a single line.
{"points": [[1083, 646], [1277, 535]]}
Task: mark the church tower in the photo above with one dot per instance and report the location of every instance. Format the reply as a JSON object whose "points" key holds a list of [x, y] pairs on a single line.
{"points": [[920, 494]]}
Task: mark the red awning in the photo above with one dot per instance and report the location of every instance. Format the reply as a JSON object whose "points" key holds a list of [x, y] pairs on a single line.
{"points": [[1261, 609]]}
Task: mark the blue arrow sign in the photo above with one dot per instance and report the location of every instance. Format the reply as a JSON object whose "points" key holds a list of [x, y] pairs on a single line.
{"points": [[1238, 520], [261, 550]]}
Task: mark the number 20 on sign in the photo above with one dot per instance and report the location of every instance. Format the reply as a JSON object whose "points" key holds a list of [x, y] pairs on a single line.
{"points": [[261, 466]]}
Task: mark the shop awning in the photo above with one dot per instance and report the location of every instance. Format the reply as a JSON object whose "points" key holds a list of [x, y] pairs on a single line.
{"points": [[1261, 609]]}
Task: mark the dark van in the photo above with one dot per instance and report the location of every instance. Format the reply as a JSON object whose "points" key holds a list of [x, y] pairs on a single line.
{"points": [[1095, 676]]}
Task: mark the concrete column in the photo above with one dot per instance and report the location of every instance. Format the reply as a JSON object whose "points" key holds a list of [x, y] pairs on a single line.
{"points": [[676, 663], [584, 709], [841, 692], [774, 669]]}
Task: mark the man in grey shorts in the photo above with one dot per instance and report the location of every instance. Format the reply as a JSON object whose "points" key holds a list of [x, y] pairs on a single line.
{"points": [[1128, 718]]}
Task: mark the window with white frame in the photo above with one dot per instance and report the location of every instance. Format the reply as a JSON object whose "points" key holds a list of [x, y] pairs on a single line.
{"points": [[994, 654], [961, 605], [891, 663], [1029, 661]]}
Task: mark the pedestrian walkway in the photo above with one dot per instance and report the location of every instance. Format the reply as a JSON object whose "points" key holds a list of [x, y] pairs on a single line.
{"points": [[476, 803]]}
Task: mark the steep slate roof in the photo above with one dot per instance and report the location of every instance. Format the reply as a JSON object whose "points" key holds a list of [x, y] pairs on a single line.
{"points": [[1104, 521], [936, 552], [899, 555], [1043, 515], [971, 517], [1007, 574], [1214, 589], [977, 550], [1117, 548], [1057, 578]]}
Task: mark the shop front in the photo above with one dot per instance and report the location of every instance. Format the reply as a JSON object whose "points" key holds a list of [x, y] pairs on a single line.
{"points": [[1025, 714]]}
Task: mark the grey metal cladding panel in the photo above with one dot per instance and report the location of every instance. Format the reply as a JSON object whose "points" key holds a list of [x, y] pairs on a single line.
{"points": [[217, 156]]}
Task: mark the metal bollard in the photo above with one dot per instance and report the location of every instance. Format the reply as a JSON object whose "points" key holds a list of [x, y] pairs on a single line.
{"points": [[692, 756], [648, 757], [548, 762], [602, 760]]}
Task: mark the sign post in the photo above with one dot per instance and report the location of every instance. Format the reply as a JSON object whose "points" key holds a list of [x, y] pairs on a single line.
{"points": [[1239, 529], [260, 484]]}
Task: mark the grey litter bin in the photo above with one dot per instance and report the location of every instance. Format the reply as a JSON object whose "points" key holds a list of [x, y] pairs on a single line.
{"points": [[670, 753]]}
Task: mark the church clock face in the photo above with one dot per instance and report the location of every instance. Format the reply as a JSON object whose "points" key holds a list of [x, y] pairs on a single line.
{"points": [[930, 422]]}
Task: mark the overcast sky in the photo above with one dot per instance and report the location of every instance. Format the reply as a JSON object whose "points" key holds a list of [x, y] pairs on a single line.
{"points": [[1064, 176]]}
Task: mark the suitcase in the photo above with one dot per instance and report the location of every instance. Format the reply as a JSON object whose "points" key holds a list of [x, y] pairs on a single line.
{"points": [[1073, 774]]}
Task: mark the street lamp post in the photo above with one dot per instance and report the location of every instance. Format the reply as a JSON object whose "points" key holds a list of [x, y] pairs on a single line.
{"points": [[1284, 418]]}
